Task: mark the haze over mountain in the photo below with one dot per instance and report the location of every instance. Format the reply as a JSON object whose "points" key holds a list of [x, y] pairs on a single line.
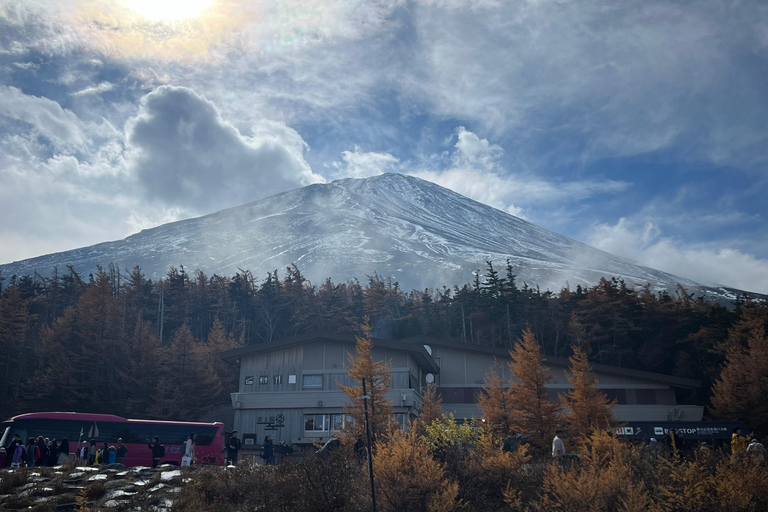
{"points": [[419, 233]]}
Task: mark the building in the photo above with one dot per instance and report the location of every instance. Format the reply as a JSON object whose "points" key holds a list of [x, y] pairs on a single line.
{"points": [[289, 388]]}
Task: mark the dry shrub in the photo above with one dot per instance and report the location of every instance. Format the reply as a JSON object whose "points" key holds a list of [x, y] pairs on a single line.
{"points": [[683, 486], [311, 485], [95, 490], [10, 479], [598, 482], [492, 476], [409, 479], [741, 485]]}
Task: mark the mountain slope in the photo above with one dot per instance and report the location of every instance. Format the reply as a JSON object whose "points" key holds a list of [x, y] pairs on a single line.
{"points": [[420, 233]]}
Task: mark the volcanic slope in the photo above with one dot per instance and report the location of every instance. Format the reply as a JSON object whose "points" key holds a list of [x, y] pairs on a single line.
{"points": [[419, 233]]}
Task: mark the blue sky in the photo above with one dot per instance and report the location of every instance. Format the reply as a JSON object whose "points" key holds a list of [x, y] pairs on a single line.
{"points": [[638, 127]]}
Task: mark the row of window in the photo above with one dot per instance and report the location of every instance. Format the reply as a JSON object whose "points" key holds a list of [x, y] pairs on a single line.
{"points": [[308, 381], [130, 432], [336, 422]]}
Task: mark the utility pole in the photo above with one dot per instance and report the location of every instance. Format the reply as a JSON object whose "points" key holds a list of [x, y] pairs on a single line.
{"points": [[370, 453]]}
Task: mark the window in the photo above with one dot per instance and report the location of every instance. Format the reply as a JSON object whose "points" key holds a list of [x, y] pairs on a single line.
{"points": [[278, 379], [249, 380], [291, 379], [264, 379], [316, 423], [338, 421], [313, 381], [402, 421]]}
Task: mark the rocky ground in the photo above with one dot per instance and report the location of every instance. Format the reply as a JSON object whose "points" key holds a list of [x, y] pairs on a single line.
{"points": [[113, 487]]}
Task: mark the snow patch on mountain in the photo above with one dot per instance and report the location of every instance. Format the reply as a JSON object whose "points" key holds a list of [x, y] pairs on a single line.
{"points": [[420, 234]]}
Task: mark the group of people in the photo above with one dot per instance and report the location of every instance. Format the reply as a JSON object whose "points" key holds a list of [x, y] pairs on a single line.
{"points": [[187, 450], [679, 446], [54, 452], [90, 454], [234, 444]]}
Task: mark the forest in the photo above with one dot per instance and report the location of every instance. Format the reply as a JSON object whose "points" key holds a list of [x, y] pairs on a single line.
{"points": [[117, 342]]}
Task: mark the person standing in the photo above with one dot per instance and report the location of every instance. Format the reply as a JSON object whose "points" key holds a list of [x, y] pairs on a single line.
{"points": [[53, 452], [10, 448], [756, 450], [42, 450], [738, 442], [121, 451], [233, 447], [158, 450], [189, 451], [558, 447], [63, 452], [103, 455], [84, 453], [29, 452], [19, 455], [268, 450], [92, 453]]}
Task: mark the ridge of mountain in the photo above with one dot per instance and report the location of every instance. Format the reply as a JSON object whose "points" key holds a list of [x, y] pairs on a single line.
{"points": [[421, 234]]}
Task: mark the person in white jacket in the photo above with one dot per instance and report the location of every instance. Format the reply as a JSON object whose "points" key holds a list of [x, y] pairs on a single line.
{"points": [[189, 451], [558, 448]]}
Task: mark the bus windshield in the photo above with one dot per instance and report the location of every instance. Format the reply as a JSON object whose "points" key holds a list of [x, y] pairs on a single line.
{"points": [[6, 435]]}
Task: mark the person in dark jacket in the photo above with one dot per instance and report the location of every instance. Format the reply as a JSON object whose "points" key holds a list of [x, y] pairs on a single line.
{"points": [[43, 448], [121, 451], [92, 452], [158, 450], [53, 452], [233, 447], [30, 452], [268, 450], [104, 454]]}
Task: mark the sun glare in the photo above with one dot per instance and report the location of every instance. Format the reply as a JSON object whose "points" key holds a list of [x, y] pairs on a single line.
{"points": [[168, 10]]}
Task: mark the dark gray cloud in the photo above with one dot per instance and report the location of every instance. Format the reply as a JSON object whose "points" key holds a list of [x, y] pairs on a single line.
{"points": [[184, 154]]}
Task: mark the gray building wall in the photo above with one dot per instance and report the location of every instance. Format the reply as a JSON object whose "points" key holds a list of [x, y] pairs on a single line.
{"points": [[258, 406], [272, 388]]}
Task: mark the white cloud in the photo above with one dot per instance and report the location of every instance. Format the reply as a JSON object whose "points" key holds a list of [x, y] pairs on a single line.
{"points": [[95, 89], [645, 244], [602, 80], [360, 164], [476, 171], [184, 155], [62, 127]]}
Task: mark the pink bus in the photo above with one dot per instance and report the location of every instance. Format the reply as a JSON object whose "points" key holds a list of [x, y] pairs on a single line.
{"points": [[106, 428]]}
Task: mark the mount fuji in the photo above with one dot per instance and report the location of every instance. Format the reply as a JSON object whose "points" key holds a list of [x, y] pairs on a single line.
{"points": [[419, 233]]}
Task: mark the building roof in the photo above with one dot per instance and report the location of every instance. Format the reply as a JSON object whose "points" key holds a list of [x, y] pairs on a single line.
{"points": [[415, 346], [561, 362], [418, 352]]}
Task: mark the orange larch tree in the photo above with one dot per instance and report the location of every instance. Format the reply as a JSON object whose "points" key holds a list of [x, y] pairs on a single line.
{"points": [[377, 377], [588, 406], [431, 405], [535, 415], [739, 393], [495, 402]]}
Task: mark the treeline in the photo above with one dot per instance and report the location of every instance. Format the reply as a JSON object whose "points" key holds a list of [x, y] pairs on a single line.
{"points": [[441, 465], [117, 342]]}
